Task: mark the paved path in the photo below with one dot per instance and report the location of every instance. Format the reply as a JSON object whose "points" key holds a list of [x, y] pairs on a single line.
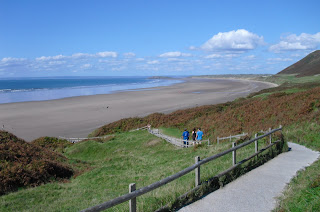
{"points": [[258, 189]]}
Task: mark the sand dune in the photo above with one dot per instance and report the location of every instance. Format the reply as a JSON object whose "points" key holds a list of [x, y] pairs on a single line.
{"points": [[78, 116]]}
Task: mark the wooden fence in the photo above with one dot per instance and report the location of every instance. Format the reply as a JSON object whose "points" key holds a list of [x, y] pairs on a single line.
{"points": [[148, 127], [75, 140], [176, 141], [133, 193], [230, 137]]}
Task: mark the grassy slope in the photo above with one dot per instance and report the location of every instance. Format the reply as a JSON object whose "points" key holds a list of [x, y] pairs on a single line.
{"points": [[281, 107], [129, 157], [278, 106], [289, 78], [303, 192], [112, 162]]}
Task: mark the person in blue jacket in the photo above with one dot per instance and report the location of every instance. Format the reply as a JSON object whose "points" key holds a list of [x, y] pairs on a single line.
{"points": [[199, 135], [185, 136]]}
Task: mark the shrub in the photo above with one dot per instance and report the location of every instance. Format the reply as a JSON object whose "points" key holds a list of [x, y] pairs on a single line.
{"points": [[52, 143], [25, 164]]}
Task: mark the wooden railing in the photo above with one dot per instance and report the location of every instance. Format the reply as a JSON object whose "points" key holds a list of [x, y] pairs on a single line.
{"points": [[230, 137], [177, 141], [75, 140], [142, 128], [133, 193]]}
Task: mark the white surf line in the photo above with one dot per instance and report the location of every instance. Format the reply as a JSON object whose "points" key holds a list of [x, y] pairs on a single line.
{"points": [[258, 189]]}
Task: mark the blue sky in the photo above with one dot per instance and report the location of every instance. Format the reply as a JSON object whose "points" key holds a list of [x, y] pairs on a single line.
{"points": [[154, 37]]}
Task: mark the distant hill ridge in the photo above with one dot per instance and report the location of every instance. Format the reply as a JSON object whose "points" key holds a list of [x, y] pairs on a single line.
{"points": [[308, 66]]}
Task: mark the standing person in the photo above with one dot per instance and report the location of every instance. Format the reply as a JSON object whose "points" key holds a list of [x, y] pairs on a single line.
{"points": [[194, 135], [199, 135], [185, 136]]}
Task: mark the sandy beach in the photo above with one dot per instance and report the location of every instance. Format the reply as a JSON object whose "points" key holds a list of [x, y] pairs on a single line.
{"points": [[78, 116]]}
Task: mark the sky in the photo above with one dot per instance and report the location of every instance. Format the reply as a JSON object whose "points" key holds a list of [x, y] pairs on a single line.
{"points": [[41, 38]]}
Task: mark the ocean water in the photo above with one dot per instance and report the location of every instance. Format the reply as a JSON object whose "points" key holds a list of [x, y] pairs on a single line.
{"points": [[39, 89]]}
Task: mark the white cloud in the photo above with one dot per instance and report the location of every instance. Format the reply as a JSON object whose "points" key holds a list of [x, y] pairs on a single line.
{"points": [[152, 62], [175, 54], [118, 68], [107, 54], [85, 66], [11, 59], [296, 55], [129, 54], [56, 62], [174, 59], [78, 56], [213, 56], [293, 42], [280, 59], [250, 57], [57, 57], [233, 40], [81, 55]]}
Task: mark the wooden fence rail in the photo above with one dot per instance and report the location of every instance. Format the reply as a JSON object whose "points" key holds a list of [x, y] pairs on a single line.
{"points": [[177, 141], [75, 140], [135, 193], [230, 137]]}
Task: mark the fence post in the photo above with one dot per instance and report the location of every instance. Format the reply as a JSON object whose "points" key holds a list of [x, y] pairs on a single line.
{"points": [[270, 136], [217, 140], [197, 171], [234, 159], [256, 144], [133, 201]]}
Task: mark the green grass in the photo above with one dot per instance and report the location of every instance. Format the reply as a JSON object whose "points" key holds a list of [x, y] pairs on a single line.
{"points": [[135, 157], [173, 132], [303, 192], [141, 158], [291, 78], [287, 91]]}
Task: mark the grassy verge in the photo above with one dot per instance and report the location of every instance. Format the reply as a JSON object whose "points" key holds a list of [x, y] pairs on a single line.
{"points": [[288, 78], [173, 132], [108, 166], [303, 192], [135, 157]]}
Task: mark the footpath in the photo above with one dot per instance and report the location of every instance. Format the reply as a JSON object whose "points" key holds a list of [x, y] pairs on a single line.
{"points": [[258, 189]]}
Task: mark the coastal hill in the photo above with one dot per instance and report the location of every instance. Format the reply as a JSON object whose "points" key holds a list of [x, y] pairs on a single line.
{"points": [[308, 66], [125, 157], [140, 157]]}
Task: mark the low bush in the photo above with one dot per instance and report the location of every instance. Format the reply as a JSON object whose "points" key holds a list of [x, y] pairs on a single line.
{"points": [[25, 164], [52, 143]]}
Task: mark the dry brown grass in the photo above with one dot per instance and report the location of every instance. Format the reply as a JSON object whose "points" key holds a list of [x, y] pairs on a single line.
{"points": [[246, 115], [25, 164]]}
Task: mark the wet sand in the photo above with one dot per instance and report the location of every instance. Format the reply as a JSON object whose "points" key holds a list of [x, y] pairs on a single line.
{"points": [[79, 116]]}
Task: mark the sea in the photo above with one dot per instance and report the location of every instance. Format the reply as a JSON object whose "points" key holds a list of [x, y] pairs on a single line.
{"points": [[48, 88]]}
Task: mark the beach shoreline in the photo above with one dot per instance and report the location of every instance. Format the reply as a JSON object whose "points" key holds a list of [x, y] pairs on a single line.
{"points": [[79, 116]]}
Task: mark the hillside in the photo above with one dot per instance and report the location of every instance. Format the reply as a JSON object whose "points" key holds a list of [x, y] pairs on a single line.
{"points": [[270, 108], [308, 66], [142, 158], [24, 164]]}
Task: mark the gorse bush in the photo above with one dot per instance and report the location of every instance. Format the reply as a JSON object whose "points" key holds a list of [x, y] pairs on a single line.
{"points": [[52, 143], [24, 164]]}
